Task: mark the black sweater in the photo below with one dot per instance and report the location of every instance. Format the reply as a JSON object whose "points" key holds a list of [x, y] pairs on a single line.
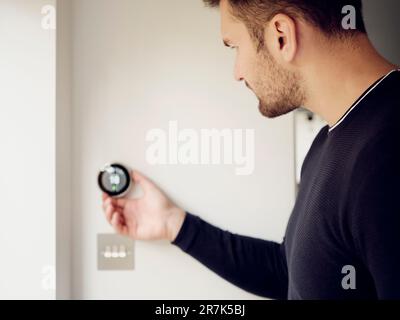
{"points": [[347, 213]]}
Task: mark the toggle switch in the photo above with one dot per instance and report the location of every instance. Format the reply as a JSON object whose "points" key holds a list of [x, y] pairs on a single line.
{"points": [[107, 252], [114, 252]]}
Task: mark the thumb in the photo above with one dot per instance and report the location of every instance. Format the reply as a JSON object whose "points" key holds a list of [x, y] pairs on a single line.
{"points": [[145, 182]]}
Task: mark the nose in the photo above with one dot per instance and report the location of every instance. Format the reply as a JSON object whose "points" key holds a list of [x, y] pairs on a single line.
{"points": [[237, 73]]}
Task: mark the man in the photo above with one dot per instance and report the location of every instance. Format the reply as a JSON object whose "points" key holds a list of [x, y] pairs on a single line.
{"points": [[342, 240]]}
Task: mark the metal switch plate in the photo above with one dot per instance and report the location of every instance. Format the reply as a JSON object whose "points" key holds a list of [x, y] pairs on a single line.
{"points": [[114, 252]]}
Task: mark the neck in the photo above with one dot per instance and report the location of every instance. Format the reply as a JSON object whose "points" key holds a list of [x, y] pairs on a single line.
{"points": [[336, 80]]}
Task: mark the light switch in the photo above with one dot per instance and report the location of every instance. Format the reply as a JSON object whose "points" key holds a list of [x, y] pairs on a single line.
{"points": [[114, 252]]}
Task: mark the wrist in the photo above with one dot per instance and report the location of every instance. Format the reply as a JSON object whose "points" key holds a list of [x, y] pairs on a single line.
{"points": [[174, 223]]}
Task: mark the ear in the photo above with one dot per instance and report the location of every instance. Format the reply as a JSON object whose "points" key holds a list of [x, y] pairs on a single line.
{"points": [[282, 39]]}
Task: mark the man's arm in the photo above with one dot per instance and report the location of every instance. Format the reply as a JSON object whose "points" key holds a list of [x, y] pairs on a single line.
{"points": [[255, 265]]}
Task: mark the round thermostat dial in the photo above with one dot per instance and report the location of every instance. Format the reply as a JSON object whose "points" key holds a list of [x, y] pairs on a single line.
{"points": [[114, 180]]}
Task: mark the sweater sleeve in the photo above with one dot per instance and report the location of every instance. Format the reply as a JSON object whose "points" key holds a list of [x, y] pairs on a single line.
{"points": [[255, 265], [376, 224]]}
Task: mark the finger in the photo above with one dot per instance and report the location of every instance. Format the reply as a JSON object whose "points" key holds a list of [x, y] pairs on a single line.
{"points": [[107, 203], [109, 212], [104, 196], [120, 202], [114, 202], [117, 223], [145, 182], [115, 220]]}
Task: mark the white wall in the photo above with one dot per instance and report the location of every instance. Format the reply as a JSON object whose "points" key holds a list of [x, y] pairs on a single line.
{"points": [[383, 26], [136, 66], [144, 64], [141, 63], [27, 162]]}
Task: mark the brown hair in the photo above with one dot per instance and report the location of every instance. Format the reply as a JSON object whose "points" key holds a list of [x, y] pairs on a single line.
{"points": [[324, 14]]}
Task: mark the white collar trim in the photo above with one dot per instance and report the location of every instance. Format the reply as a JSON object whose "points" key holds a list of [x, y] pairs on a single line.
{"points": [[362, 98]]}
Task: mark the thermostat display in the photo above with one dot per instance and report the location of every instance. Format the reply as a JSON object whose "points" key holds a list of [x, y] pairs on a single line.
{"points": [[114, 180]]}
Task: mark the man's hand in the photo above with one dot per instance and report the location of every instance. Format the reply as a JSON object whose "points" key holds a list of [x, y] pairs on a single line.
{"points": [[152, 217]]}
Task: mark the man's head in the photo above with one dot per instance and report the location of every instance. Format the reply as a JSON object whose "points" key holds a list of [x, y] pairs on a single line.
{"points": [[273, 38]]}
